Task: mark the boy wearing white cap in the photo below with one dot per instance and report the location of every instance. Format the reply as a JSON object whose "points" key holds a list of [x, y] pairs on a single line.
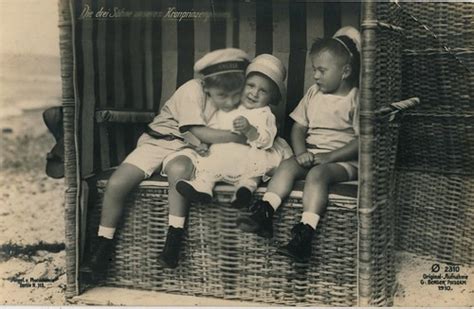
{"points": [[242, 165], [187, 111], [325, 141], [237, 164]]}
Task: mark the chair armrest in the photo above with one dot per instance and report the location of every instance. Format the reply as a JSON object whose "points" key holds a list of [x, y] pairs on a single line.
{"points": [[392, 109], [104, 116]]}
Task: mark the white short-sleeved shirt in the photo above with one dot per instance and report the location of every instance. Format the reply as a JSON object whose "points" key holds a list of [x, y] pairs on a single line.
{"points": [[189, 105], [332, 120]]}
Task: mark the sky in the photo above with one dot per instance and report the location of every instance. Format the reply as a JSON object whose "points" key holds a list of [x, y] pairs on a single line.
{"points": [[29, 27], [29, 56]]}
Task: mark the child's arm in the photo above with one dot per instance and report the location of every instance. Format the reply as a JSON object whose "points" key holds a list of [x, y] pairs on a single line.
{"points": [[298, 142], [346, 153], [215, 136], [298, 138], [260, 136]]}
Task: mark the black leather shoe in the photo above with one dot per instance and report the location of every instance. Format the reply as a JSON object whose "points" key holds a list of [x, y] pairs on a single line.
{"points": [[101, 256], [191, 194], [169, 258], [299, 247], [260, 220], [243, 197]]}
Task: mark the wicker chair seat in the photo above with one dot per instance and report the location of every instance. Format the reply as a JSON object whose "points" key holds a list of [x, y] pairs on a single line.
{"points": [[221, 261]]}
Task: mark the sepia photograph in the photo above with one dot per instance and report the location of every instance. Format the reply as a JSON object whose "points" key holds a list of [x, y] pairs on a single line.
{"points": [[237, 153]]}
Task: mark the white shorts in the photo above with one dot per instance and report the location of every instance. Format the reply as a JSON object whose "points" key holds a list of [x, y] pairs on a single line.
{"points": [[187, 152], [351, 167], [151, 152]]}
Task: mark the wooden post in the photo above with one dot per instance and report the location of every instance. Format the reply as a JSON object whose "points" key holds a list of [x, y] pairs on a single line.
{"points": [[365, 202], [70, 166]]}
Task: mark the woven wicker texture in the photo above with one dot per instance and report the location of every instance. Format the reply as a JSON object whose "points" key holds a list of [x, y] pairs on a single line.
{"points": [[442, 83], [220, 261], [67, 86], [438, 63], [444, 204], [381, 85], [452, 23], [445, 143], [436, 170]]}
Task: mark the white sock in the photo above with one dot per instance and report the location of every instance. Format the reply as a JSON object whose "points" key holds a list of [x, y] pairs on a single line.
{"points": [[107, 232], [310, 218], [176, 221], [273, 199]]}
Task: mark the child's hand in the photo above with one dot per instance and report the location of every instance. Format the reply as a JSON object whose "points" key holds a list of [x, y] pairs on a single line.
{"points": [[305, 159], [321, 158], [202, 149], [241, 124]]}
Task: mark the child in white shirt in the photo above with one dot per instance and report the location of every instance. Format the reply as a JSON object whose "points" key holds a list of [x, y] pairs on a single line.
{"points": [[324, 139]]}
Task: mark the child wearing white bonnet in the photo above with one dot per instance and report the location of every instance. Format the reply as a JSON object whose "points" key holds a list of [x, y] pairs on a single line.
{"points": [[243, 165]]}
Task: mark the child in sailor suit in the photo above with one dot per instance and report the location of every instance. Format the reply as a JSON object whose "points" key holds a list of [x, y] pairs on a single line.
{"points": [[242, 165]]}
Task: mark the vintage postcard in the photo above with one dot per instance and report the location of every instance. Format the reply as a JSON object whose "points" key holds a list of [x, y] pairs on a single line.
{"points": [[236, 153]]}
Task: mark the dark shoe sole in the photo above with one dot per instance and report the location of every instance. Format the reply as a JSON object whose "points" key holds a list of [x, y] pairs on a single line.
{"points": [[285, 252], [186, 190], [243, 197], [246, 224]]}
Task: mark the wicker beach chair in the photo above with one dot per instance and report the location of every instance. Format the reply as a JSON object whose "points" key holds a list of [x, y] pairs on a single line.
{"points": [[119, 68], [435, 166]]}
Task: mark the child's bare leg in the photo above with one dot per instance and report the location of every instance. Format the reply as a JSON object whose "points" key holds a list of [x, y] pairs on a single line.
{"points": [[318, 180], [315, 197], [180, 167], [122, 181], [283, 180]]}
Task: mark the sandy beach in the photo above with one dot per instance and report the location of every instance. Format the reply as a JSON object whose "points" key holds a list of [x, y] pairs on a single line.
{"points": [[31, 216]]}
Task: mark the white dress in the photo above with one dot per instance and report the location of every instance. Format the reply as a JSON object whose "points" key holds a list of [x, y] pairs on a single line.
{"points": [[237, 164]]}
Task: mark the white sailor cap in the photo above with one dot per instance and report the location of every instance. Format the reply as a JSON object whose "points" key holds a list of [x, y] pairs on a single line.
{"points": [[222, 61]]}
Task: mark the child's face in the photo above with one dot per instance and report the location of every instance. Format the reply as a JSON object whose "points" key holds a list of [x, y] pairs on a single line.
{"points": [[224, 100], [257, 92], [328, 71]]}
